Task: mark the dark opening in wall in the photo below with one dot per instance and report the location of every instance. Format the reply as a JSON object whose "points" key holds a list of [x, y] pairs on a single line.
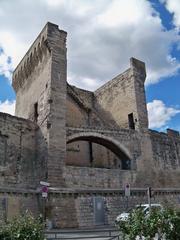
{"points": [[131, 121], [36, 112], [91, 153], [126, 164]]}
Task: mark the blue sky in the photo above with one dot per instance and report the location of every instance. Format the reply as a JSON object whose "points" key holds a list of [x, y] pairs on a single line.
{"points": [[101, 39], [168, 88]]}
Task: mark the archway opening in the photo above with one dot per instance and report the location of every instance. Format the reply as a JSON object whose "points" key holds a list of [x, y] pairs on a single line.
{"points": [[96, 151]]}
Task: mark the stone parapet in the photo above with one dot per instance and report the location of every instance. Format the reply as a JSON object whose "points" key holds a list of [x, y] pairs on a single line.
{"points": [[34, 55]]}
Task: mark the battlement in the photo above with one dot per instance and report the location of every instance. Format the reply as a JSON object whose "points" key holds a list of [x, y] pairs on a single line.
{"points": [[39, 48], [173, 133], [169, 133]]}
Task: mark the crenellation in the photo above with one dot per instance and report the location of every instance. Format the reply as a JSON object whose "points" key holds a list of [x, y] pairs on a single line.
{"points": [[41, 45], [26, 67], [173, 133]]}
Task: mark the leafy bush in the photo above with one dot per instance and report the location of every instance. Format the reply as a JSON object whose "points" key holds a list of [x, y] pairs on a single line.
{"points": [[23, 228], [165, 223]]}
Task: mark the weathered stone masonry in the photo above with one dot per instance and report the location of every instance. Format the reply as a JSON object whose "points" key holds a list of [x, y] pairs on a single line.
{"points": [[87, 145]]}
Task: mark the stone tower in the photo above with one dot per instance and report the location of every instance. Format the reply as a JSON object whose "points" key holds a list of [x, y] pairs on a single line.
{"points": [[40, 85], [124, 97], [138, 78]]}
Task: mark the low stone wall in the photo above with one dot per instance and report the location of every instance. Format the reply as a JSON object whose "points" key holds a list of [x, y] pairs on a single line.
{"points": [[86, 177], [14, 202], [76, 208], [73, 208]]}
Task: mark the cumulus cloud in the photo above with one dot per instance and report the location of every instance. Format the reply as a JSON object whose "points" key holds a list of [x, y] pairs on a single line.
{"points": [[101, 36], [7, 107], [5, 65], [173, 6], [12, 52], [159, 114]]}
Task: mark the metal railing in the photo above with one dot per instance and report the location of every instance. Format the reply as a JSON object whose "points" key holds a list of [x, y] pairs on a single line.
{"points": [[105, 234]]}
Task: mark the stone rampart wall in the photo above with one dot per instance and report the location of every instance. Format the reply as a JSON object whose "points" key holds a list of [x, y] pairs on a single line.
{"points": [[166, 150], [15, 202], [19, 164], [75, 208]]}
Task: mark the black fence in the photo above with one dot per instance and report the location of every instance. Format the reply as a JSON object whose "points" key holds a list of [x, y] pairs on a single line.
{"points": [[99, 234]]}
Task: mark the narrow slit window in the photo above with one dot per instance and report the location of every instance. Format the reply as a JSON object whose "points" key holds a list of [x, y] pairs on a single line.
{"points": [[36, 112], [91, 153], [131, 121]]}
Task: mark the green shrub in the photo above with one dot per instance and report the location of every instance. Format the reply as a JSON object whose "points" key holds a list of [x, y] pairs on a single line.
{"points": [[165, 223], [25, 227]]}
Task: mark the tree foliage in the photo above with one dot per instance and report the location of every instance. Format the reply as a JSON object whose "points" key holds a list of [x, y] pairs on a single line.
{"points": [[22, 228], [162, 223]]}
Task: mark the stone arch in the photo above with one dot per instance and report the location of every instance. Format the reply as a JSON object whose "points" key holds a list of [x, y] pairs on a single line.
{"points": [[110, 143]]}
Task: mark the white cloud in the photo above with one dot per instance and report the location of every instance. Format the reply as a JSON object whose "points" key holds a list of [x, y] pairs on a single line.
{"points": [[13, 49], [7, 107], [124, 13], [101, 36], [55, 3], [173, 6], [159, 114], [5, 65]]}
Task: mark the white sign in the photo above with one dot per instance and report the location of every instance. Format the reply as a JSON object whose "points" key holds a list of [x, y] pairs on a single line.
{"points": [[44, 194], [44, 183], [127, 190]]}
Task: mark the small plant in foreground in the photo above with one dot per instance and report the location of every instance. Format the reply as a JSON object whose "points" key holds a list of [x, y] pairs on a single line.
{"points": [[25, 227]]}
